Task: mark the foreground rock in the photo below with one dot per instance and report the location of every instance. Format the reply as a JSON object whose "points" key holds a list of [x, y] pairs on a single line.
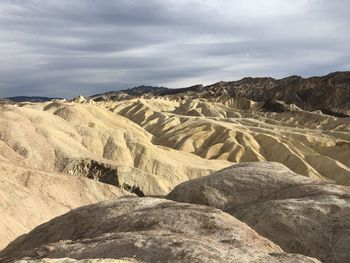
{"points": [[147, 230], [300, 214], [69, 260], [29, 197]]}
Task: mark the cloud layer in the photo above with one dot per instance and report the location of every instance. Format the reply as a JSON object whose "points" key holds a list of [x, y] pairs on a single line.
{"points": [[65, 48]]}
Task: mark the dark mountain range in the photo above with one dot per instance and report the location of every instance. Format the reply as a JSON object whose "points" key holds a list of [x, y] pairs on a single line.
{"points": [[30, 99], [330, 93]]}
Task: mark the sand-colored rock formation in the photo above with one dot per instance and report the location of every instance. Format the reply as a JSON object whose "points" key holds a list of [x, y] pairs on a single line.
{"points": [[147, 143], [302, 215], [70, 137], [147, 230], [310, 144], [56, 142], [29, 197], [170, 141]]}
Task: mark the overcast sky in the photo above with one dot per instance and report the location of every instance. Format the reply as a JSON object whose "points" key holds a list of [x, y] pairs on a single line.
{"points": [[69, 47]]}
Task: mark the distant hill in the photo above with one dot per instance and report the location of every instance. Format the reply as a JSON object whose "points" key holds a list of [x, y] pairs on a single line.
{"points": [[134, 92], [30, 99], [330, 93]]}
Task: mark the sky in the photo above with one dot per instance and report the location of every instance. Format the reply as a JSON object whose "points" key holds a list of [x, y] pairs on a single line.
{"points": [[63, 48]]}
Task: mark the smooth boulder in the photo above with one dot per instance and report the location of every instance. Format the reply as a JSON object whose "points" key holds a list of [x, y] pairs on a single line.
{"points": [[147, 230], [302, 215]]}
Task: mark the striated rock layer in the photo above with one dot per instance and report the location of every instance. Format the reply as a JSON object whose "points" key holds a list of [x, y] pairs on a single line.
{"points": [[147, 230], [89, 140], [310, 144], [302, 215]]}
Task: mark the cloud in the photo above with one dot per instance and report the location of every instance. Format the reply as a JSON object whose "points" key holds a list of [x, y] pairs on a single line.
{"points": [[65, 48]]}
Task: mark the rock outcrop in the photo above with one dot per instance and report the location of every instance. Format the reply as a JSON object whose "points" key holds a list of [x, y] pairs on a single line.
{"points": [[302, 215], [70, 260], [147, 230], [29, 197]]}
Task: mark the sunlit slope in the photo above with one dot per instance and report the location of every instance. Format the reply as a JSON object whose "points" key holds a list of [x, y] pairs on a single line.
{"points": [[89, 140], [309, 143], [29, 197]]}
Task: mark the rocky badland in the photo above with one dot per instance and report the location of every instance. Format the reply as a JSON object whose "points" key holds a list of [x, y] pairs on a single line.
{"points": [[256, 170]]}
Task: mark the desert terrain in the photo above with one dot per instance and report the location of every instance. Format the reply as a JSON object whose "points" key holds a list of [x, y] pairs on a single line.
{"points": [[256, 170]]}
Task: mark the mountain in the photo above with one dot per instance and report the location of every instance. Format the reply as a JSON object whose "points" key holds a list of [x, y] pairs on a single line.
{"points": [[130, 93], [330, 93], [30, 99]]}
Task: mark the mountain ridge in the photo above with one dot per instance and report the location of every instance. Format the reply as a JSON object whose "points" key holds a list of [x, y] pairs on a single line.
{"points": [[329, 93], [30, 99]]}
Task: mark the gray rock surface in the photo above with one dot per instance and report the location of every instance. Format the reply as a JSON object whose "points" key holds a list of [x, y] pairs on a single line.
{"points": [[70, 260], [301, 214], [147, 230]]}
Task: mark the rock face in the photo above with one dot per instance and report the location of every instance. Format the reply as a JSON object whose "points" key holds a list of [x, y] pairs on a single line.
{"points": [[147, 230], [278, 106], [300, 214], [29, 197]]}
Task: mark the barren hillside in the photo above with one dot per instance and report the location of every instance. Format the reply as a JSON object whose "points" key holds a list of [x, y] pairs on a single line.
{"points": [[58, 155]]}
